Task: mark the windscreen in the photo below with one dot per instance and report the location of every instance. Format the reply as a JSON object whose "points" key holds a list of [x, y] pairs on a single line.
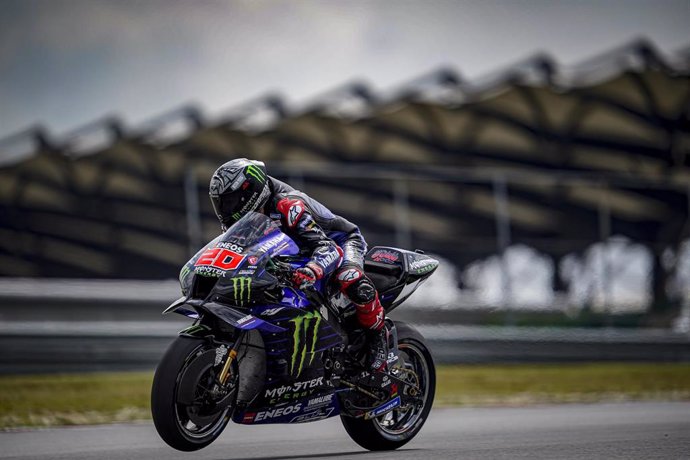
{"points": [[252, 237]]}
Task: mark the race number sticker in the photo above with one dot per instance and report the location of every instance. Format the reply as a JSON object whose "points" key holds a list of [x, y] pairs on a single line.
{"points": [[222, 259]]}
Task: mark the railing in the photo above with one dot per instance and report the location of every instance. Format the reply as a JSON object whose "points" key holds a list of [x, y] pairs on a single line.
{"points": [[117, 325]]}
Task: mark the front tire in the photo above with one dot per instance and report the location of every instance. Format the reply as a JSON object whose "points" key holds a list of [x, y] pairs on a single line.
{"points": [[183, 409], [396, 428]]}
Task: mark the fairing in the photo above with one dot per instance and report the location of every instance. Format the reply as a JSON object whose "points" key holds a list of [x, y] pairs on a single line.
{"points": [[230, 271], [238, 251], [397, 273], [295, 388]]}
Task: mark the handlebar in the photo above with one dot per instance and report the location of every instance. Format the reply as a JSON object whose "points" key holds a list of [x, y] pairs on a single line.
{"points": [[281, 270], [284, 272]]}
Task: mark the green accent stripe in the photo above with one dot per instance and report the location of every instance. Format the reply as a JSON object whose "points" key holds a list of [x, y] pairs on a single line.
{"points": [[296, 342], [315, 338], [234, 289], [304, 349]]}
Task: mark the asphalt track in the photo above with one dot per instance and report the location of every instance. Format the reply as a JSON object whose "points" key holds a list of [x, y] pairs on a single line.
{"points": [[596, 431]]}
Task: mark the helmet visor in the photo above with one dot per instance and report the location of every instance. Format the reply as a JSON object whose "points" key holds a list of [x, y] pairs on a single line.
{"points": [[225, 206]]}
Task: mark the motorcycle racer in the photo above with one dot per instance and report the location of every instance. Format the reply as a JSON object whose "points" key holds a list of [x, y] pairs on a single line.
{"points": [[336, 246]]}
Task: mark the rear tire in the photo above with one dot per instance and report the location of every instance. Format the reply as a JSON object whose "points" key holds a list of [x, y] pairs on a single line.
{"points": [[187, 426], [397, 428]]}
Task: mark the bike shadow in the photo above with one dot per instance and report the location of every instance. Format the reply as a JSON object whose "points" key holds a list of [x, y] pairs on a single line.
{"points": [[323, 455]]}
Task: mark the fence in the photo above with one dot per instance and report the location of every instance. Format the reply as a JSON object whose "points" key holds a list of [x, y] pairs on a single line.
{"points": [[107, 325]]}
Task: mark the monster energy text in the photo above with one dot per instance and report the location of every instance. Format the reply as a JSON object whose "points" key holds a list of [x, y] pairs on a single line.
{"points": [[303, 339], [242, 289]]}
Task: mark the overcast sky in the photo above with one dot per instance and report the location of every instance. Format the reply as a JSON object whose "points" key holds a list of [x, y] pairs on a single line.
{"points": [[67, 62]]}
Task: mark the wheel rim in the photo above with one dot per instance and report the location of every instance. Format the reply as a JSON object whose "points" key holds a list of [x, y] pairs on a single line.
{"points": [[401, 420], [198, 421]]}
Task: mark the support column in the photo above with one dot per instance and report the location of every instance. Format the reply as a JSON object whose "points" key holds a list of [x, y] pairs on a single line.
{"points": [[403, 232], [557, 282], [660, 299], [503, 237], [191, 196], [604, 235]]}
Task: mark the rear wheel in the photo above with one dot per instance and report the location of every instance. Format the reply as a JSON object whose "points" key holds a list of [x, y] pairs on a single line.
{"points": [[396, 428], [189, 407]]}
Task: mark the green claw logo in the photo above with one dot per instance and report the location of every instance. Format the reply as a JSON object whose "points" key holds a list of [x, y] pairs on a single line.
{"points": [[303, 340], [256, 173], [184, 272], [242, 288]]}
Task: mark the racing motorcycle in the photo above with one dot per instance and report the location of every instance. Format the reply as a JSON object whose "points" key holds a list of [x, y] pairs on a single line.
{"points": [[262, 351]]}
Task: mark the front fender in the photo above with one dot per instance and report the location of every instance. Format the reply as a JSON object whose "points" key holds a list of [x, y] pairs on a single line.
{"points": [[229, 315]]}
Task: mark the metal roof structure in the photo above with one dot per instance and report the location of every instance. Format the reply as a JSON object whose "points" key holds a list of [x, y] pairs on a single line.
{"points": [[550, 156]]}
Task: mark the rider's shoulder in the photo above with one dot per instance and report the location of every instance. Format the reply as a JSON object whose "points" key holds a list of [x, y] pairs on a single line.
{"points": [[291, 208]]}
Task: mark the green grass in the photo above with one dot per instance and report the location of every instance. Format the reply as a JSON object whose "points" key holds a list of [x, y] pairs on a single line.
{"points": [[521, 384], [117, 397], [74, 399]]}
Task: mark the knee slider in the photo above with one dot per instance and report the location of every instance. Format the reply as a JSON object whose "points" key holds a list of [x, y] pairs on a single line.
{"points": [[362, 291]]}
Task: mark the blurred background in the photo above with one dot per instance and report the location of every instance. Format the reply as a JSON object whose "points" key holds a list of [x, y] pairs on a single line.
{"points": [[540, 149]]}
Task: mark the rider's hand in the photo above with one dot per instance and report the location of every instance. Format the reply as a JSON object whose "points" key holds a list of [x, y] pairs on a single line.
{"points": [[306, 276]]}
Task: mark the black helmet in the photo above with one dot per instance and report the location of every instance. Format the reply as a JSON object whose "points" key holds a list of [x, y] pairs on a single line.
{"points": [[238, 187]]}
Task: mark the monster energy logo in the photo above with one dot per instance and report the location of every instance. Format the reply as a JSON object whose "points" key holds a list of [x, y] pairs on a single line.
{"points": [[183, 273], [303, 340], [256, 173], [242, 288]]}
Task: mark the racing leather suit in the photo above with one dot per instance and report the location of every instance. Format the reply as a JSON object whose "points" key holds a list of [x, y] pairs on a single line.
{"points": [[336, 246]]}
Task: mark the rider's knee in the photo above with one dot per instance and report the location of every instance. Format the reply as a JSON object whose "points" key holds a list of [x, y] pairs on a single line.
{"points": [[356, 285]]}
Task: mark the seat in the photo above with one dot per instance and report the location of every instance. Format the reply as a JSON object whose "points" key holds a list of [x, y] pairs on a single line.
{"points": [[384, 276]]}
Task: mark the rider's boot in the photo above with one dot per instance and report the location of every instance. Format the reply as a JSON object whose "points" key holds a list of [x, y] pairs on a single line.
{"points": [[372, 316], [377, 356]]}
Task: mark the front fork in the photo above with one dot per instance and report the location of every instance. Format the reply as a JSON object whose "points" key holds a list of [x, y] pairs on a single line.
{"points": [[232, 354], [200, 330]]}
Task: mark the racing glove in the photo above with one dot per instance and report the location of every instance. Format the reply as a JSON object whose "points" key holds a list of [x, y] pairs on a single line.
{"points": [[306, 276]]}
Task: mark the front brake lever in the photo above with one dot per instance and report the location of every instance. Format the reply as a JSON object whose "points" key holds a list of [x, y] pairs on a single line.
{"points": [[275, 266]]}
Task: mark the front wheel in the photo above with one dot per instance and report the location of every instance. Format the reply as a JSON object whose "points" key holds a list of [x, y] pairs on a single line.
{"points": [[396, 428], [190, 408]]}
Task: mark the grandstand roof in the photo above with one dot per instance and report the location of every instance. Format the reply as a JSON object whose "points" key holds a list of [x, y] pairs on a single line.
{"points": [[582, 152]]}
